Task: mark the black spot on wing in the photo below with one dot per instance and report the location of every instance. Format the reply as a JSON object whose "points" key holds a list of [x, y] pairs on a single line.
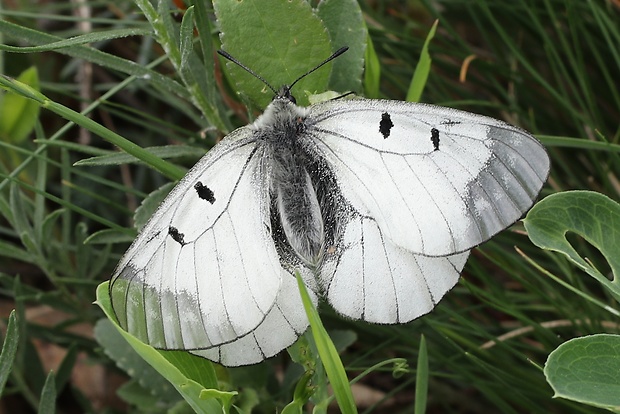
{"points": [[435, 138], [385, 126], [204, 192], [176, 235]]}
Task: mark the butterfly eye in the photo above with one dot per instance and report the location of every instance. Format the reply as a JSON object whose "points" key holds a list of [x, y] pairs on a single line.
{"points": [[285, 93]]}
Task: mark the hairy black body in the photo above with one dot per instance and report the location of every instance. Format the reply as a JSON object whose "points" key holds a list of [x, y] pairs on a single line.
{"points": [[302, 187]]}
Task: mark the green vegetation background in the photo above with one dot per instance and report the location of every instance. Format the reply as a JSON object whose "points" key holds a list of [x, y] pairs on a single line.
{"points": [[144, 75]]}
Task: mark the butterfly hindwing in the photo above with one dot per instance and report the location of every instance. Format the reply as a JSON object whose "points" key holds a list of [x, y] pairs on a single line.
{"points": [[376, 281], [284, 323], [438, 181]]}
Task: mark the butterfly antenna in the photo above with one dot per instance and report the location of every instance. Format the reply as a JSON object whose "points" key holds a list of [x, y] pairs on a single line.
{"points": [[250, 71], [329, 59]]}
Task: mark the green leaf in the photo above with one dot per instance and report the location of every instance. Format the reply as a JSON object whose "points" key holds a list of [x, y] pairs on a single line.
{"points": [[345, 24], [9, 350], [204, 27], [174, 366], [126, 358], [48, 226], [423, 68], [19, 114], [47, 403], [11, 250], [578, 143], [421, 379], [587, 370], [109, 236], [186, 36], [372, 74], [132, 392], [22, 223], [66, 368], [303, 392], [120, 158], [149, 205], [80, 40], [591, 215], [189, 67], [279, 40], [329, 356]]}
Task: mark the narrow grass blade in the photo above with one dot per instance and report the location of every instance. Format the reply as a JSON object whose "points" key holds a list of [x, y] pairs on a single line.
{"points": [[423, 68], [421, 383], [329, 356], [47, 403], [169, 170], [9, 350]]}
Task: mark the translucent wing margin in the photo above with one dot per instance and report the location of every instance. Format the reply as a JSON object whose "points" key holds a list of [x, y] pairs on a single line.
{"points": [[438, 181]]}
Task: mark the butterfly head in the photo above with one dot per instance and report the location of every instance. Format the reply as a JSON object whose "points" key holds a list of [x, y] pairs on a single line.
{"points": [[284, 93]]}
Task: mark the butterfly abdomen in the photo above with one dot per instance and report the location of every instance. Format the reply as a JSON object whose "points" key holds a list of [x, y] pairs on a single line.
{"points": [[299, 211], [292, 190]]}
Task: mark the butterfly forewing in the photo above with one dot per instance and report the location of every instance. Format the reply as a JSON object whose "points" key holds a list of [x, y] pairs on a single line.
{"points": [[195, 247], [438, 181], [204, 274]]}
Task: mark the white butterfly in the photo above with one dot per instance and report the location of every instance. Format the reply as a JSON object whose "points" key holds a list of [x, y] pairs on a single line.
{"points": [[376, 203]]}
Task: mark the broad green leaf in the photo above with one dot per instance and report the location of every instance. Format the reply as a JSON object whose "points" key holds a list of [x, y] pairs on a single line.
{"points": [[587, 370], [189, 374], [345, 24], [279, 40], [17, 113], [593, 216], [422, 69]]}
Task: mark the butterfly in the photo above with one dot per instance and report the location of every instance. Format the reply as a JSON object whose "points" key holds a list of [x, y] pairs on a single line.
{"points": [[375, 203]]}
